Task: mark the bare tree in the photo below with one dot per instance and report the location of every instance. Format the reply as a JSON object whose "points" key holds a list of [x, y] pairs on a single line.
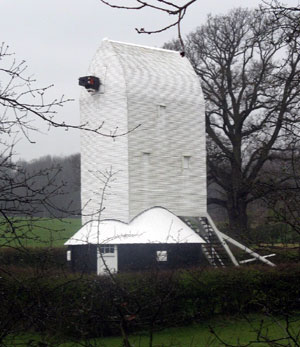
{"points": [[21, 102], [283, 197], [287, 17], [177, 9], [250, 79]]}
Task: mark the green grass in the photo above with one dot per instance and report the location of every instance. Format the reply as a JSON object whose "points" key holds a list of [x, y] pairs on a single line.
{"points": [[235, 331], [38, 232]]}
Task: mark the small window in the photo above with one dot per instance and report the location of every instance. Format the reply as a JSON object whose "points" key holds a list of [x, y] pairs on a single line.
{"points": [[69, 255], [146, 158], [161, 110], [186, 162], [161, 256], [107, 249]]}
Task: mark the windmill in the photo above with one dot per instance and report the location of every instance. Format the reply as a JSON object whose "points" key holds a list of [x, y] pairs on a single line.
{"points": [[150, 101]]}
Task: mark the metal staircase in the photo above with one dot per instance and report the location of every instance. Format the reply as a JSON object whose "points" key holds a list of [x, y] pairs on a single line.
{"points": [[216, 249]]}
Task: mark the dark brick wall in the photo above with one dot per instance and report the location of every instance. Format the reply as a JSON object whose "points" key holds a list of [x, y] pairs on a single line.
{"points": [[84, 258], [139, 257], [143, 256]]}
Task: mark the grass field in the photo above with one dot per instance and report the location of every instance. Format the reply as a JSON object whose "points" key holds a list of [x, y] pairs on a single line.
{"points": [[38, 232], [234, 331]]}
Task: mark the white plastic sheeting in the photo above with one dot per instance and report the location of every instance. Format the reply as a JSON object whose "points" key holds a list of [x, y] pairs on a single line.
{"points": [[155, 225]]}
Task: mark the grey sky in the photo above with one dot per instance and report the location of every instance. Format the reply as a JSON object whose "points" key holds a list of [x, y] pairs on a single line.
{"points": [[58, 39]]}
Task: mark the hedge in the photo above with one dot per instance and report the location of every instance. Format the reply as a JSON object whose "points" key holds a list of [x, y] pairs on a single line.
{"points": [[78, 306], [52, 257]]}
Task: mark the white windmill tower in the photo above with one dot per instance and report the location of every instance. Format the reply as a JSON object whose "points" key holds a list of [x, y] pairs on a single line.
{"points": [[153, 98]]}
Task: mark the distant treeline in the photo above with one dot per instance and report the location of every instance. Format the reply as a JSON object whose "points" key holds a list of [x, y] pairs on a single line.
{"points": [[51, 185]]}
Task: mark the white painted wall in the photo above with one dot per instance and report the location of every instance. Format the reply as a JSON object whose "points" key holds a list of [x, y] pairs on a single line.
{"points": [[100, 154], [158, 90]]}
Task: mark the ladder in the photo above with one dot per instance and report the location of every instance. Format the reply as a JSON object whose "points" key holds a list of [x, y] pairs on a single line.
{"points": [[216, 249]]}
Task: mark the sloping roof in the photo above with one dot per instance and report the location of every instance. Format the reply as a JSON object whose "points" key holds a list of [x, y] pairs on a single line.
{"points": [[155, 225], [116, 42], [157, 74]]}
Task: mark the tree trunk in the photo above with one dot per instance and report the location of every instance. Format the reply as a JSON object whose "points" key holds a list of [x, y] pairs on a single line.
{"points": [[238, 219]]}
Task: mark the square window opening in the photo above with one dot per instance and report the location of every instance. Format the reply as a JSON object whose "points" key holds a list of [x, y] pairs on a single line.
{"points": [[161, 256]]}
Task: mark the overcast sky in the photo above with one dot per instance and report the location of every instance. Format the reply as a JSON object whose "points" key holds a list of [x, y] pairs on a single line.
{"points": [[58, 39]]}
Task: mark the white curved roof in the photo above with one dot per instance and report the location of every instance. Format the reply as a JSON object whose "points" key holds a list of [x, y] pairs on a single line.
{"points": [[155, 225]]}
